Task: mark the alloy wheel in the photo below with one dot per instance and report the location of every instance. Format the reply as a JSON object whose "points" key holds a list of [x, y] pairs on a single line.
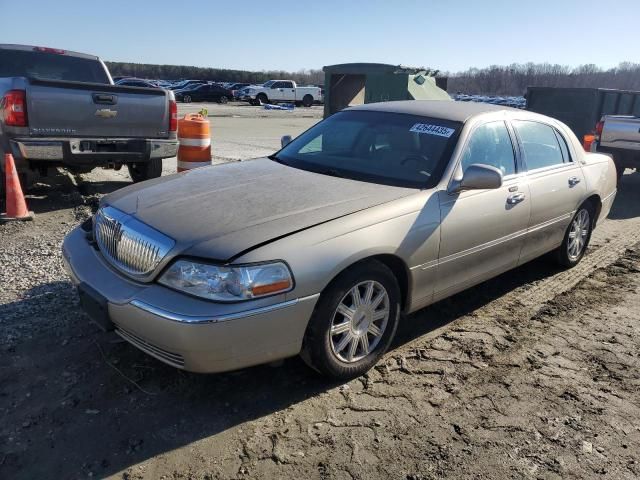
{"points": [[359, 321], [578, 234]]}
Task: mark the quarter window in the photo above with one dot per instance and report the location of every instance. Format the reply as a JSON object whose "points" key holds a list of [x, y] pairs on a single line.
{"points": [[490, 144], [540, 144], [563, 147]]}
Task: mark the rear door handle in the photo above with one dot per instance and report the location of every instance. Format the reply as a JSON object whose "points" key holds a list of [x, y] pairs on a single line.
{"points": [[515, 198], [573, 181]]}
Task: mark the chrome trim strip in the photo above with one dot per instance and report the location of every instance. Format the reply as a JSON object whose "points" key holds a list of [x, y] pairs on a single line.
{"points": [[492, 243], [195, 319], [609, 196]]}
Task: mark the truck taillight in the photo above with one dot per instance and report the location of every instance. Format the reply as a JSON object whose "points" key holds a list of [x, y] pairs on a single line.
{"points": [[173, 116], [599, 127], [58, 51], [14, 108]]}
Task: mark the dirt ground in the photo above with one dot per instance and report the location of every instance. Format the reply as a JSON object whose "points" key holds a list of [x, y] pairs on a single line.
{"points": [[531, 375]]}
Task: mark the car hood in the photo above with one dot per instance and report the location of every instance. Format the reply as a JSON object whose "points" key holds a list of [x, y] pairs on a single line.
{"points": [[220, 211]]}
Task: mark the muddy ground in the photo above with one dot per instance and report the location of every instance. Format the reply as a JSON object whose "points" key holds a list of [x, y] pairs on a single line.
{"points": [[531, 375]]}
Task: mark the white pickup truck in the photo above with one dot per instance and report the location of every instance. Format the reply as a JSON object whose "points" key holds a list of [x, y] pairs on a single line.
{"points": [[619, 136], [282, 91]]}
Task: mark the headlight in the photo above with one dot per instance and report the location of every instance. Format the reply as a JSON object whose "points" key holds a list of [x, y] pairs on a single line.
{"points": [[228, 284]]}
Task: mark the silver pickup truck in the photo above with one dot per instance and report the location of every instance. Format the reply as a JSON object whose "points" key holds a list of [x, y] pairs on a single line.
{"points": [[619, 135], [61, 108]]}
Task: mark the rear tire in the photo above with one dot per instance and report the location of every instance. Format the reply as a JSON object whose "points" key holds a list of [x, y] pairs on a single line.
{"points": [[186, 99], [577, 236], [142, 171], [331, 335], [307, 101], [223, 100]]}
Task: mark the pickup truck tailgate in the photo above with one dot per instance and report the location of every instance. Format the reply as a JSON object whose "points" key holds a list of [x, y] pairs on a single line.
{"points": [[621, 132], [75, 109]]}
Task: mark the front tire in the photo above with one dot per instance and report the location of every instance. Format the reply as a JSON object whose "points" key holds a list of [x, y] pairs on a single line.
{"points": [[354, 322], [262, 99], [223, 100], [186, 99], [142, 171], [576, 238]]}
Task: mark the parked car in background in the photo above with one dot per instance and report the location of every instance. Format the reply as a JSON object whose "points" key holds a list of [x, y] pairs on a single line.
{"points": [[186, 83], [60, 108], [619, 136], [319, 248], [235, 88], [282, 91], [242, 93], [210, 92], [136, 82]]}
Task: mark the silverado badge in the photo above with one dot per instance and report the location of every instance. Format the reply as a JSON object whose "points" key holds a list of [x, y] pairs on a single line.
{"points": [[106, 113]]}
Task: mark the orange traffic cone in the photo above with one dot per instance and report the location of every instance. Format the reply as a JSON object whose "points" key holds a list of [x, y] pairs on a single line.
{"points": [[16, 205]]}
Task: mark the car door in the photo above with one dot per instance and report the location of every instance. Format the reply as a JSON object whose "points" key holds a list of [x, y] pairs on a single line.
{"points": [[482, 231], [288, 92], [277, 92], [198, 94], [556, 183]]}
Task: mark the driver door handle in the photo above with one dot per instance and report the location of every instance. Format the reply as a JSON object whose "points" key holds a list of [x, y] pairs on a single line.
{"points": [[573, 181], [515, 198]]}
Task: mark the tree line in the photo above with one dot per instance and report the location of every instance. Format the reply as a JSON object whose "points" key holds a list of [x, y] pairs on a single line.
{"points": [[494, 80], [514, 79], [180, 72]]}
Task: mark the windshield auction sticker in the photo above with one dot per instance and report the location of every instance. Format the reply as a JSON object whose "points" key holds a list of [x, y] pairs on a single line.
{"points": [[432, 129]]}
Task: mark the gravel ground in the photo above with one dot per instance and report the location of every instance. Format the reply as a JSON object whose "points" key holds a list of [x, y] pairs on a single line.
{"points": [[531, 375]]}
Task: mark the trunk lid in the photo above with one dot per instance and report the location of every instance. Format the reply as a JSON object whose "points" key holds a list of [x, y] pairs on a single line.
{"points": [[79, 109]]}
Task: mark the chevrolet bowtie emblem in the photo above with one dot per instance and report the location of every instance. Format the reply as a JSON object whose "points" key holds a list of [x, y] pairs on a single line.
{"points": [[106, 113]]}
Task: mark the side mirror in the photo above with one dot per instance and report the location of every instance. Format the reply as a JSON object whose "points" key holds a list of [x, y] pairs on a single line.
{"points": [[285, 140], [479, 177]]}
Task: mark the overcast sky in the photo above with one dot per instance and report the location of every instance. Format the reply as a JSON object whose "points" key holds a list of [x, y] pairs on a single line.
{"points": [[448, 35]]}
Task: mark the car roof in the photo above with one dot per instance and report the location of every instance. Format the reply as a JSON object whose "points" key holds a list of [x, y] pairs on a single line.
{"points": [[444, 109]]}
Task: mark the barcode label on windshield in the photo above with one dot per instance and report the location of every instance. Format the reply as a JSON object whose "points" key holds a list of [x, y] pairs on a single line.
{"points": [[432, 129]]}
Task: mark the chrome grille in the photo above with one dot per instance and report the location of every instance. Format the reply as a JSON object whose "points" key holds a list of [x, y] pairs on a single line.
{"points": [[128, 244]]}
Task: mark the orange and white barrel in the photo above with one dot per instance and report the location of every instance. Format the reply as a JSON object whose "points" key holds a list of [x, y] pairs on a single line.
{"points": [[194, 139]]}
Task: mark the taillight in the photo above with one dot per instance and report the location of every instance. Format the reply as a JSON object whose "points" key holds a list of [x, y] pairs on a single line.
{"points": [[599, 127], [173, 116], [49, 50], [14, 108]]}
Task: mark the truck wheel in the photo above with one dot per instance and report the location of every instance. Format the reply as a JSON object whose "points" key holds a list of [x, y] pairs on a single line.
{"points": [[186, 99], [140, 172], [223, 100], [307, 101], [262, 99]]}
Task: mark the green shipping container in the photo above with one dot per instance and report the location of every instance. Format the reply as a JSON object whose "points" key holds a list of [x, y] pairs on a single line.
{"points": [[581, 108], [351, 84]]}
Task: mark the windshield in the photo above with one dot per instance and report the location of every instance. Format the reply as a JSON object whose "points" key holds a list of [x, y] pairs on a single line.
{"points": [[268, 84], [381, 147], [51, 66]]}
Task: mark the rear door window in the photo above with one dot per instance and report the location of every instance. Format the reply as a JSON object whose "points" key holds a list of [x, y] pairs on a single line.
{"points": [[539, 143], [51, 66]]}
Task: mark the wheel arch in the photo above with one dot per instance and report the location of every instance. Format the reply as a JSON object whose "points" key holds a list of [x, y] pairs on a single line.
{"points": [[596, 202], [394, 263]]}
